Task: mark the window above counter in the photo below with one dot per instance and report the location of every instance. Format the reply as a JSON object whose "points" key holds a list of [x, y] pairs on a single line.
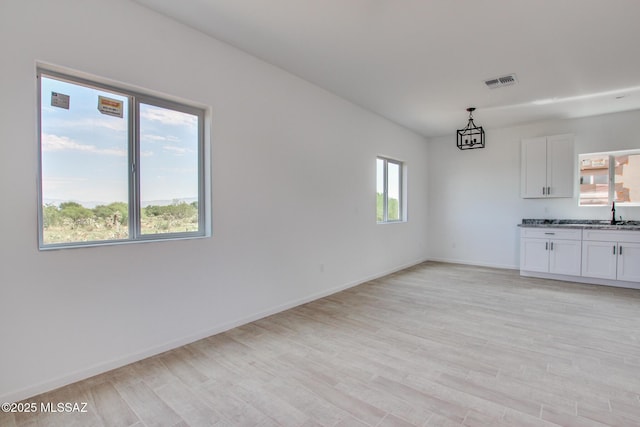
{"points": [[608, 177]]}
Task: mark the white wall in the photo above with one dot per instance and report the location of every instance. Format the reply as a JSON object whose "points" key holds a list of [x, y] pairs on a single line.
{"points": [[293, 188], [474, 195]]}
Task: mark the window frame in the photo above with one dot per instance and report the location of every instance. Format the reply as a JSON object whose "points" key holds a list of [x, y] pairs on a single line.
{"points": [[385, 194], [134, 99]]}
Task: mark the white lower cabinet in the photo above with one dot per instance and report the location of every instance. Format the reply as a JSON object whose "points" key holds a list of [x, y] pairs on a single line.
{"points": [[534, 255], [629, 262], [555, 251], [564, 257], [603, 257], [611, 254], [599, 260]]}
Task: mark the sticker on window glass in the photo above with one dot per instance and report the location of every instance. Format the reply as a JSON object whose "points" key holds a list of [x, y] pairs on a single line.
{"points": [[110, 106], [59, 100]]}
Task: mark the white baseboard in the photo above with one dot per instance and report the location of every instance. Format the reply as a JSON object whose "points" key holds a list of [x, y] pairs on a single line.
{"points": [[106, 366], [478, 264], [581, 279]]}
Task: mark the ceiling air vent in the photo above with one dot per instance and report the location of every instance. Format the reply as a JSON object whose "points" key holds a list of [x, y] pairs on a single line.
{"points": [[508, 80]]}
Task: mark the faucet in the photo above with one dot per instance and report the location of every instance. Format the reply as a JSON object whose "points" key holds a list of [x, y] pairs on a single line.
{"points": [[613, 213]]}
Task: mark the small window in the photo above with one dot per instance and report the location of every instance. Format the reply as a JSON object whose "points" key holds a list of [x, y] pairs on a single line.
{"points": [[117, 166], [389, 190], [610, 177]]}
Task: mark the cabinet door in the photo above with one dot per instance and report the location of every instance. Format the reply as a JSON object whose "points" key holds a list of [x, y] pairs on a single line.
{"points": [[599, 260], [534, 255], [629, 262], [534, 168], [565, 257], [560, 166]]}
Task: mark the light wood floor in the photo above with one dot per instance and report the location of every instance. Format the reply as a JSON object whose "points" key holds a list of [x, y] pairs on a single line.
{"points": [[434, 345]]}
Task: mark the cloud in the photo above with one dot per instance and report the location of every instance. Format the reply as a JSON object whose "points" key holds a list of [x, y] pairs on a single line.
{"points": [[51, 184], [64, 180], [111, 123], [169, 117], [178, 171], [178, 151], [150, 137], [52, 142], [107, 123]]}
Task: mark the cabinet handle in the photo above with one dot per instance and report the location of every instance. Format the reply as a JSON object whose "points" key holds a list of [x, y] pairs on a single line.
{"points": [[620, 250], [544, 191], [548, 191], [546, 246], [551, 245], [614, 249]]}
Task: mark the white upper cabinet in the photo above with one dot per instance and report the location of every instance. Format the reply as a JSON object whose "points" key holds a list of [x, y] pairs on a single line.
{"points": [[547, 167]]}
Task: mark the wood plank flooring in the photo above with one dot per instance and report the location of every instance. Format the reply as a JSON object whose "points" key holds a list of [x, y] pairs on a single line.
{"points": [[434, 345]]}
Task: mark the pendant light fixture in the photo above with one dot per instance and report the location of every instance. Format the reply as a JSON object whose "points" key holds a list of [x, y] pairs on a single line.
{"points": [[471, 136]]}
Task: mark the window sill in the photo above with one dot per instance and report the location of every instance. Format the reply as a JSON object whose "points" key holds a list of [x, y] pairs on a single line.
{"points": [[77, 245]]}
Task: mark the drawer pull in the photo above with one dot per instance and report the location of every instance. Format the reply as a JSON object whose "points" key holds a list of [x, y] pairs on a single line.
{"points": [[552, 234]]}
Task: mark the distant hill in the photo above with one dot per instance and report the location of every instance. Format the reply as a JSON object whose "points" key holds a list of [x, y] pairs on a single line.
{"points": [[92, 203], [187, 200]]}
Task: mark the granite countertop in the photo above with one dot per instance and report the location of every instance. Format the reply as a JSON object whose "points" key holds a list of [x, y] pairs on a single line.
{"points": [[580, 223]]}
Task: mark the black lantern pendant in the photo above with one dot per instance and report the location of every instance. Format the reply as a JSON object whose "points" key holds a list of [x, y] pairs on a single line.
{"points": [[471, 136]]}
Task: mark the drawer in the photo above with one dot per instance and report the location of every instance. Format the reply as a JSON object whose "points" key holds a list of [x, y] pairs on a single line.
{"points": [[552, 233], [612, 236]]}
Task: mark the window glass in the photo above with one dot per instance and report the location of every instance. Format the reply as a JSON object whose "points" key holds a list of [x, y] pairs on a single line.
{"points": [[168, 170], [393, 199], [594, 180], [84, 164], [380, 190], [627, 178]]}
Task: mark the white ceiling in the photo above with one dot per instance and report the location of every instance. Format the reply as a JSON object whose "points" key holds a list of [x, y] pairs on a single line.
{"points": [[421, 63]]}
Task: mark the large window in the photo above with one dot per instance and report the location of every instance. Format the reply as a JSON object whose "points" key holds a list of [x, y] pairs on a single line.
{"points": [[116, 165], [389, 190]]}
